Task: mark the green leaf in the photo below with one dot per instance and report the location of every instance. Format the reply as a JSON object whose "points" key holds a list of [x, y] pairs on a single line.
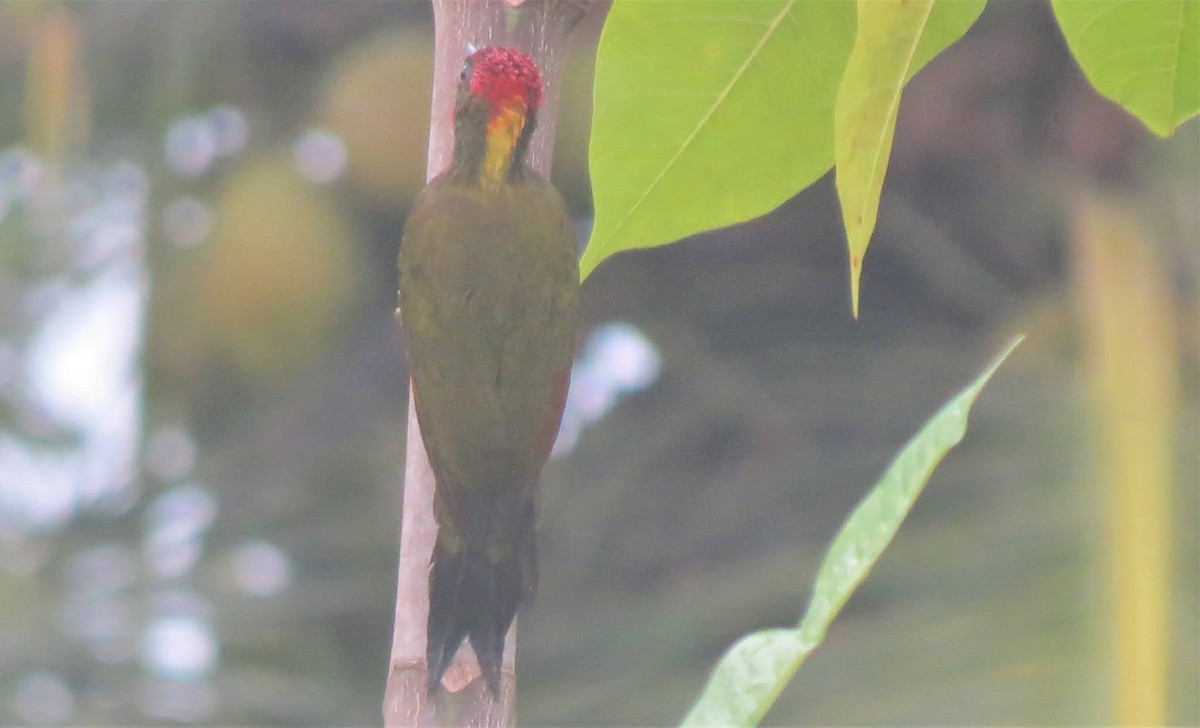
{"points": [[1143, 54], [895, 38], [755, 670], [709, 113]]}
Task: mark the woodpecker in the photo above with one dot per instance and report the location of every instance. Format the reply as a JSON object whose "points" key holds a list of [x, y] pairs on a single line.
{"points": [[489, 302]]}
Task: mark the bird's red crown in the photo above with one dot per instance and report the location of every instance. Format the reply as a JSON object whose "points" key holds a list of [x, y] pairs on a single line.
{"points": [[506, 76]]}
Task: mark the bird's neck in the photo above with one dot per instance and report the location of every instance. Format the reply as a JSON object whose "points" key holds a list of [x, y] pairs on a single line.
{"points": [[492, 153]]}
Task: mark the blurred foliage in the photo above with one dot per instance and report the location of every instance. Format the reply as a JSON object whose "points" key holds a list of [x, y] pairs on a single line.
{"points": [[1128, 339], [278, 273], [377, 101], [696, 511], [57, 112]]}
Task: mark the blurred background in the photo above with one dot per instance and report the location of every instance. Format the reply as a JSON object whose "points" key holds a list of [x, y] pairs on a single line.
{"points": [[202, 392]]}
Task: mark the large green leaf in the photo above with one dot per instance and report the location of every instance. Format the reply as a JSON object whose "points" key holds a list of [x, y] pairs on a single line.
{"points": [[755, 670], [895, 38], [1143, 54], [708, 113]]}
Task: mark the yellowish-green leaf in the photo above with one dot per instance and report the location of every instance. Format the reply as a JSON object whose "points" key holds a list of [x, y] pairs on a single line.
{"points": [[709, 113], [895, 38], [756, 669], [1142, 54]]}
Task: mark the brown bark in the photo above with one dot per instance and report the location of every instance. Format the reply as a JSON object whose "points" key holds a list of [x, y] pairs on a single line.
{"points": [[539, 27]]}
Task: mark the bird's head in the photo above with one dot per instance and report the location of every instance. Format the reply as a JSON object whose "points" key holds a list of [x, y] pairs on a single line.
{"points": [[499, 92]]}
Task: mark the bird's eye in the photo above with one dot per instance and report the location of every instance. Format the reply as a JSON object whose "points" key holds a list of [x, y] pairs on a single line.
{"points": [[462, 76]]}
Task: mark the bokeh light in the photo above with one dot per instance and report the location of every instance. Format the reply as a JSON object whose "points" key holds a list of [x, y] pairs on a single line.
{"points": [[181, 647], [176, 523], [320, 156], [44, 698], [20, 174], [191, 146], [170, 453], [261, 568], [186, 221], [617, 359], [230, 130]]}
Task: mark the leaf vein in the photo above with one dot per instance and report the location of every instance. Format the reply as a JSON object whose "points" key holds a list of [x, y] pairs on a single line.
{"points": [[894, 102], [771, 27]]}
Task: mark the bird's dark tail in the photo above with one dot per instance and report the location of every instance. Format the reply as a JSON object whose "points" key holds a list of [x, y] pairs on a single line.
{"points": [[473, 596]]}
